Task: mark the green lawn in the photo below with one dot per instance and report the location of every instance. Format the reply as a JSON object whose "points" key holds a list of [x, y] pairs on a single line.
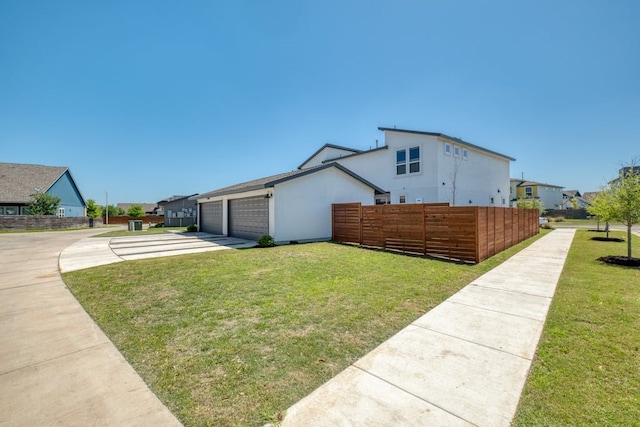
{"points": [[587, 367], [236, 337]]}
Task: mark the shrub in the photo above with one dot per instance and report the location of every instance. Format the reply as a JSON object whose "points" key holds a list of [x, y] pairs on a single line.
{"points": [[266, 241], [192, 228], [159, 225]]}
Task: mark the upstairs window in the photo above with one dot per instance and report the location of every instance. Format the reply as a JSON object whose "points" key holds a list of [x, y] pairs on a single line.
{"points": [[528, 191], [447, 149], [465, 154], [401, 162], [456, 151], [413, 161]]}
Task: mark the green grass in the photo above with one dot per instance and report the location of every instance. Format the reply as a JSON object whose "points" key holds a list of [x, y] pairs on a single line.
{"points": [[587, 367], [236, 337], [144, 232]]}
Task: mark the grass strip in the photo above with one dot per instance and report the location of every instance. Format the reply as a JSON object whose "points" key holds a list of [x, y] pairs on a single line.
{"points": [[587, 366]]}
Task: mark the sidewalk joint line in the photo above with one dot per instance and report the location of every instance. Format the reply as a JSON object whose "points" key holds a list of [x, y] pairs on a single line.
{"points": [[412, 394]]}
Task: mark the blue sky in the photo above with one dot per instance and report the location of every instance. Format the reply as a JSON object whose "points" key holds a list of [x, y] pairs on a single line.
{"points": [[148, 99]]}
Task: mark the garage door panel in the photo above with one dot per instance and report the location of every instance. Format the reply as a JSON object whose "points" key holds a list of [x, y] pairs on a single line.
{"points": [[211, 217], [249, 217]]}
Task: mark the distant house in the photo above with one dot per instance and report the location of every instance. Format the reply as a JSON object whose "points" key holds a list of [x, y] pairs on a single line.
{"points": [[20, 182], [179, 211], [550, 195], [147, 208], [572, 199], [411, 167]]}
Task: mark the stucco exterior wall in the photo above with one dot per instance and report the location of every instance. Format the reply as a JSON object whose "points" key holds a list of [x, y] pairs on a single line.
{"points": [[478, 178], [302, 207]]}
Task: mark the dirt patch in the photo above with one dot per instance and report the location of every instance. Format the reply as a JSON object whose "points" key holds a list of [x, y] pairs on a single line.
{"points": [[607, 239], [621, 260]]}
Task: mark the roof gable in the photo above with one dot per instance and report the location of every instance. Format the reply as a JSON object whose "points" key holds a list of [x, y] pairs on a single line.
{"points": [[19, 182], [347, 150]]}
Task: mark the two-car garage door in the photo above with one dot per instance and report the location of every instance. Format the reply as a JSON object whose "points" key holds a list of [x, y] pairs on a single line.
{"points": [[248, 217]]}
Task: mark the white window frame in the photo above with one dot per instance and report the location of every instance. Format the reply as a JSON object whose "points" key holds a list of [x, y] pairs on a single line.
{"points": [[61, 212], [447, 149], [465, 154], [407, 163], [456, 151], [528, 193], [402, 198]]}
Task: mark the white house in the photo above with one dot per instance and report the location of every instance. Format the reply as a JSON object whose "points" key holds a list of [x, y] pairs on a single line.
{"points": [[293, 206], [411, 167], [426, 167]]}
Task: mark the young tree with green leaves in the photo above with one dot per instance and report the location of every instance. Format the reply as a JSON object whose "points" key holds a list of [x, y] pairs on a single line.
{"points": [[44, 204], [602, 208], [530, 203], [626, 199], [93, 210], [135, 211]]}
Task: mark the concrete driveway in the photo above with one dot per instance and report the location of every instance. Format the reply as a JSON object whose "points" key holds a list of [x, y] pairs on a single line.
{"points": [[108, 250]]}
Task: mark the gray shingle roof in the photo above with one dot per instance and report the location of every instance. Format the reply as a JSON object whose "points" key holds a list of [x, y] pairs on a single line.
{"points": [[19, 182], [271, 181]]}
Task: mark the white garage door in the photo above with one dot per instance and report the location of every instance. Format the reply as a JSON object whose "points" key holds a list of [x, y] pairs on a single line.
{"points": [[249, 218], [211, 217]]}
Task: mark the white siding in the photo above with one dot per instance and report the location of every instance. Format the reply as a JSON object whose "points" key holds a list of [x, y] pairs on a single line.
{"points": [[303, 205]]}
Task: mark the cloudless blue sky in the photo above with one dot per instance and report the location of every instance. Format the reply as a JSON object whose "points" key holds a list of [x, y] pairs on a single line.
{"points": [[147, 99]]}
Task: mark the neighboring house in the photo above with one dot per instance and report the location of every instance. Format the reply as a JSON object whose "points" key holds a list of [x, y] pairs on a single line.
{"points": [[572, 199], [293, 206], [147, 208], [179, 211], [20, 182], [426, 167], [411, 167], [550, 195]]}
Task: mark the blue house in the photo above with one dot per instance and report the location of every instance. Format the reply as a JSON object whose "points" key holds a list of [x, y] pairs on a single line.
{"points": [[20, 182]]}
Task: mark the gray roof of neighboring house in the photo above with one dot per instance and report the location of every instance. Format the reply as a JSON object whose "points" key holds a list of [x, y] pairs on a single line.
{"points": [[532, 183], [19, 182], [273, 180], [174, 198], [454, 139]]}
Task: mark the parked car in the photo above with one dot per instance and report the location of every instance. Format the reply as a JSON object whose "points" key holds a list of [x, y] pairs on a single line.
{"points": [[543, 220]]}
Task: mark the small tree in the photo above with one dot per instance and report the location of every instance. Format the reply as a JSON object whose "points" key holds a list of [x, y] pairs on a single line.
{"points": [[625, 199], [602, 208], [44, 204], [135, 211], [530, 203], [93, 210]]}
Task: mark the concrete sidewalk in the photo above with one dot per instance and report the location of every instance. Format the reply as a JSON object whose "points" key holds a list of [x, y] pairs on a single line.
{"points": [[464, 363]]}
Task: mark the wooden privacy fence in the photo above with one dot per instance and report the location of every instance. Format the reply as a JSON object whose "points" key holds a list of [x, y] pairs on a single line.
{"points": [[470, 234]]}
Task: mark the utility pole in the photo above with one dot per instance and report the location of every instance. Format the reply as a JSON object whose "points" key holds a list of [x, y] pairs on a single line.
{"points": [[106, 208]]}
